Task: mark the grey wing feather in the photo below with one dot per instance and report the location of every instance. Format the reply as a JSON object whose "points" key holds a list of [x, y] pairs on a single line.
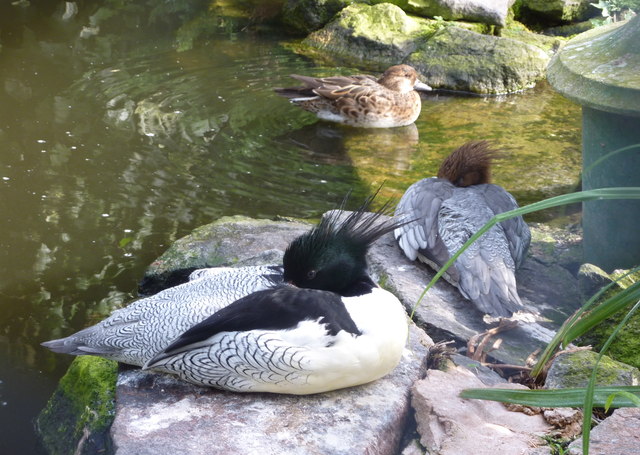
{"points": [[486, 268], [145, 327], [421, 203], [515, 229]]}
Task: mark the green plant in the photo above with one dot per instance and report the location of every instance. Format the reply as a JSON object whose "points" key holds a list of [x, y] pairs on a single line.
{"points": [[617, 10], [584, 319]]}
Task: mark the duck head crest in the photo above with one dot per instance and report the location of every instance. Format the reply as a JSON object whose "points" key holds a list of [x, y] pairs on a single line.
{"points": [[332, 255]]}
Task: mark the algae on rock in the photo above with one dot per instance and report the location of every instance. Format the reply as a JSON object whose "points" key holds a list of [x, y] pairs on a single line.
{"points": [[460, 59], [79, 413], [377, 36], [573, 369]]}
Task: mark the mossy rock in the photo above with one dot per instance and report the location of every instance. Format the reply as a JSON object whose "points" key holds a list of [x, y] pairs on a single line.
{"points": [[459, 59], [305, 16], [228, 241], [492, 13], [554, 12], [372, 36], [79, 413], [626, 345], [573, 369]]}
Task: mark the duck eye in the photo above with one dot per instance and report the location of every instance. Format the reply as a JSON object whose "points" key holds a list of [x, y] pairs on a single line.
{"points": [[311, 274]]}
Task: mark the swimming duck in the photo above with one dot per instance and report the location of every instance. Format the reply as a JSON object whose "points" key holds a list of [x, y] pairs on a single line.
{"points": [[361, 100], [320, 323], [450, 208]]}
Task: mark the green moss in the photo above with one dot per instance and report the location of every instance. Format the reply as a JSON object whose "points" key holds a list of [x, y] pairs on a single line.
{"points": [[519, 32], [574, 370], [626, 346], [373, 37], [79, 413]]}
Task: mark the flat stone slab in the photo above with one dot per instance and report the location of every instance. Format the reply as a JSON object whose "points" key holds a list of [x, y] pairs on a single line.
{"points": [[618, 434], [449, 425], [157, 414]]}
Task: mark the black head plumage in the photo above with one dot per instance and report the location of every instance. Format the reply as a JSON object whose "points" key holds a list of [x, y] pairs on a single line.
{"points": [[332, 256]]}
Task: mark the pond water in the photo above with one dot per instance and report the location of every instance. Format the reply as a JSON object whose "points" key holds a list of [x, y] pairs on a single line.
{"points": [[108, 153]]}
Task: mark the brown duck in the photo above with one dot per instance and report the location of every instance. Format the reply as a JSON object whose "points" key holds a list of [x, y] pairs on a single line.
{"points": [[361, 100]]}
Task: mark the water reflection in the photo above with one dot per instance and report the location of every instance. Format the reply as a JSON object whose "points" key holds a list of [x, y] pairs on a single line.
{"points": [[111, 153]]}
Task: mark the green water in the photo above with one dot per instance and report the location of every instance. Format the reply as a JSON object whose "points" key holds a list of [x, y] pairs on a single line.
{"points": [[109, 152]]}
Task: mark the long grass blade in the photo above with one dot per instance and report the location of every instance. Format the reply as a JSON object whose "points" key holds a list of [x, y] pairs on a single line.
{"points": [[603, 311], [557, 398], [589, 398], [561, 337]]}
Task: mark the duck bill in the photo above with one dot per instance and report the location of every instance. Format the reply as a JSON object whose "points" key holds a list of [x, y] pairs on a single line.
{"points": [[421, 86]]}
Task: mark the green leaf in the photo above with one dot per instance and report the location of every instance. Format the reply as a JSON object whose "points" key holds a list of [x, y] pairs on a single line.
{"points": [[630, 396], [125, 241], [558, 398]]}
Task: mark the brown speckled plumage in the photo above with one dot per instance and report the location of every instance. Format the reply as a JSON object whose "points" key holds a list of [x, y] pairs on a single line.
{"points": [[361, 100]]}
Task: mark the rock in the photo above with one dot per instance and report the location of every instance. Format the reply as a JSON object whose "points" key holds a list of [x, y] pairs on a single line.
{"points": [[448, 56], [413, 448], [77, 416], [451, 425], [566, 421], [618, 434], [156, 411], [626, 345], [485, 374], [228, 241], [308, 15], [156, 414], [591, 279], [459, 59], [492, 12], [554, 11], [573, 369], [377, 36]]}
